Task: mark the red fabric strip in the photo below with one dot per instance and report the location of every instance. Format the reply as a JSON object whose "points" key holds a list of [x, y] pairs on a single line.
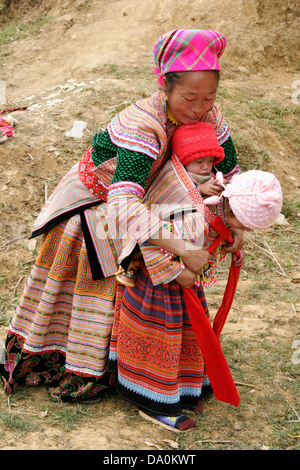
{"points": [[208, 338], [233, 277], [217, 368]]}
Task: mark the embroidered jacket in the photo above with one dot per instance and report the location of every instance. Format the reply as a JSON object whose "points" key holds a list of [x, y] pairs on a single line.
{"points": [[109, 183]]}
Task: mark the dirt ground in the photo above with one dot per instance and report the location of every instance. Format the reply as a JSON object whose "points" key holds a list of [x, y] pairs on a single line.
{"points": [[86, 62]]}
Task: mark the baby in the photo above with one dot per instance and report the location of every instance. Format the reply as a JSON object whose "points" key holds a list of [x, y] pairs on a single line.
{"points": [[198, 150]]}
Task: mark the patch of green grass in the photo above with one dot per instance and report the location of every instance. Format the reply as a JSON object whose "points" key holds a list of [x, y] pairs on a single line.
{"points": [[14, 31], [84, 6], [5, 304], [18, 423], [291, 209], [66, 415]]}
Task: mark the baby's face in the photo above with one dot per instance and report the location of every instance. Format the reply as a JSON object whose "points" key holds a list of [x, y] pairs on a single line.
{"points": [[235, 223], [232, 220], [201, 166]]}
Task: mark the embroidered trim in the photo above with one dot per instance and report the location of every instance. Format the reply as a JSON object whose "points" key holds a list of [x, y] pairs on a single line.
{"points": [[128, 187]]}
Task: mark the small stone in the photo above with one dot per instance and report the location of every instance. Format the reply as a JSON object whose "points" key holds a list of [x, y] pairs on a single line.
{"points": [[237, 426]]}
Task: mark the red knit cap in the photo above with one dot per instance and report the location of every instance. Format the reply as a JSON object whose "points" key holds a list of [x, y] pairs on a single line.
{"points": [[193, 141]]}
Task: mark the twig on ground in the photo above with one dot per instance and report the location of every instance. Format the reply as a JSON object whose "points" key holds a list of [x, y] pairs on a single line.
{"points": [[245, 385], [212, 441], [12, 240], [294, 410], [17, 285], [274, 258], [293, 307], [267, 251]]}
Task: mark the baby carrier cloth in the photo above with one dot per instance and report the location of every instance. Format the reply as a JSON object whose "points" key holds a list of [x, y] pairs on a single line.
{"points": [[207, 336]]}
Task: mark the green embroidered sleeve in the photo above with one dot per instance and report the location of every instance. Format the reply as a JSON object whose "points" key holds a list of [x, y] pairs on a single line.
{"points": [[103, 148], [230, 160], [132, 166]]}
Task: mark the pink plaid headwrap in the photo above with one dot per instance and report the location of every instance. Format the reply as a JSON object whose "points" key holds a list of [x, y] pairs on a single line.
{"points": [[181, 50], [255, 198]]}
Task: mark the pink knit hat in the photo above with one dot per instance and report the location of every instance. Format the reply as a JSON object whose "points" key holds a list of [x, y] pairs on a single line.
{"points": [[182, 50], [255, 198]]}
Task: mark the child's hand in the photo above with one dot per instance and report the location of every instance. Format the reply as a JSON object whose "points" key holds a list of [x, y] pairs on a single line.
{"points": [[239, 261], [210, 188], [238, 241]]}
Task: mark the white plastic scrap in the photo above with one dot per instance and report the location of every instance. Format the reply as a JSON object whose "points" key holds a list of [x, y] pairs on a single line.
{"points": [[77, 130]]}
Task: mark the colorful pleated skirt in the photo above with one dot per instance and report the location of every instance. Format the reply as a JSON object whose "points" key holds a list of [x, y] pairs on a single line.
{"points": [[153, 348], [60, 332]]}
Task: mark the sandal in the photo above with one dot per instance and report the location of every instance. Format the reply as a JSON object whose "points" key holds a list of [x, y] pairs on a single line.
{"points": [[198, 409], [177, 424]]}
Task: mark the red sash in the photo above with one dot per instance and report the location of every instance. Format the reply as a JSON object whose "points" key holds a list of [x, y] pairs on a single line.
{"points": [[208, 338]]}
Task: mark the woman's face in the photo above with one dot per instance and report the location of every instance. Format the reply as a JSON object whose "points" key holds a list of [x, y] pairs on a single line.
{"points": [[190, 99]]}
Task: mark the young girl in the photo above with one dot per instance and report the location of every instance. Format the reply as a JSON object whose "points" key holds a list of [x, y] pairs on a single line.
{"points": [[153, 346]]}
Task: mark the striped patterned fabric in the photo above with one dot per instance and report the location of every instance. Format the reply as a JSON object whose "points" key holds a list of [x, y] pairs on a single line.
{"points": [[135, 222], [159, 363], [62, 308], [161, 266], [173, 192], [69, 195], [105, 238], [141, 126]]}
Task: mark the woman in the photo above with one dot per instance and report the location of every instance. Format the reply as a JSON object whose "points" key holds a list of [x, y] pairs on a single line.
{"points": [[163, 365], [61, 330]]}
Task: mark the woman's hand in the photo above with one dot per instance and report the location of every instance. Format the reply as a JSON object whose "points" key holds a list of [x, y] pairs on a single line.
{"points": [[196, 258], [186, 278]]}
